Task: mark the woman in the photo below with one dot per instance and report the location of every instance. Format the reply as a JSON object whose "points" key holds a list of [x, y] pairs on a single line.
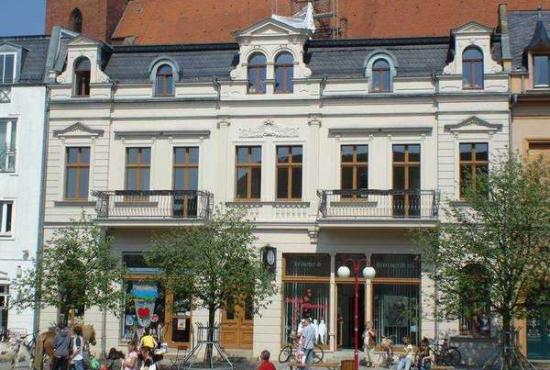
{"points": [[406, 361], [131, 360], [78, 349], [369, 342]]}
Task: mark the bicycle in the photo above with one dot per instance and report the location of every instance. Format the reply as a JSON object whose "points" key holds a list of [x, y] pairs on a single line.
{"points": [[445, 354], [288, 352], [386, 358]]}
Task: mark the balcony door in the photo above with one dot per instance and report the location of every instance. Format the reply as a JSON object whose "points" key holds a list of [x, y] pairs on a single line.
{"points": [[186, 182], [237, 329], [406, 180]]}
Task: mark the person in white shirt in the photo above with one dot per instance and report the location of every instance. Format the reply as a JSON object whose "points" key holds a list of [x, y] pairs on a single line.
{"points": [[410, 354], [78, 349]]}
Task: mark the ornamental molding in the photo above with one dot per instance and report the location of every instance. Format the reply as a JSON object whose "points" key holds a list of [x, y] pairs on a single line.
{"points": [[77, 130], [269, 129], [472, 125]]}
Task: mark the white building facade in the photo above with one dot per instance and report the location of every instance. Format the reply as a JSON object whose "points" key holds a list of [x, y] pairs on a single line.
{"points": [[336, 150]]}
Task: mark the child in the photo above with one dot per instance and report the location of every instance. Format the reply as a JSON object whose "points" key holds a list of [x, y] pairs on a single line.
{"points": [[369, 342]]}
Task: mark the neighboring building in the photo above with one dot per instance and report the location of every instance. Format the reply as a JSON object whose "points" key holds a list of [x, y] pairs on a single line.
{"points": [[529, 63], [335, 148], [157, 22], [22, 122]]}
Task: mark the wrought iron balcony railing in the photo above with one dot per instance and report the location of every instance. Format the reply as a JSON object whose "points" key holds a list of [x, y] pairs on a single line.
{"points": [[154, 204], [378, 204], [7, 158], [5, 94]]}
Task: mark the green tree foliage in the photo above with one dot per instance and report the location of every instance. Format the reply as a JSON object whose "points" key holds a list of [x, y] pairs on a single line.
{"points": [[491, 255], [77, 271]]}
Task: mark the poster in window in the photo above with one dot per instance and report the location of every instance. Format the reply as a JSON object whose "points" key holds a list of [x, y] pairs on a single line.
{"points": [[181, 324]]}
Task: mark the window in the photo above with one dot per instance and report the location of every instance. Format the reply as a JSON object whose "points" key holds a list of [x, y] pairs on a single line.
{"points": [[406, 179], [538, 149], [472, 68], [257, 74], [354, 167], [381, 77], [284, 73], [289, 172], [249, 172], [474, 161], [7, 68], [76, 20], [77, 173], [164, 81], [138, 168], [82, 77], [6, 216], [7, 145], [186, 179], [541, 73]]}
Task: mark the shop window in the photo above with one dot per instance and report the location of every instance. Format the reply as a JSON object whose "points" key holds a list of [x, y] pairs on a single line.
{"points": [[144, 307], [289, 172], [542, 70], [472, 68], [249, 172], [82, 77], [77, 173], [401, 266], [474, 162]]}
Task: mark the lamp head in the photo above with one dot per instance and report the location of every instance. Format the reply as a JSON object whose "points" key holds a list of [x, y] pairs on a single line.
{"points": [[369, 272], [344, 272]]}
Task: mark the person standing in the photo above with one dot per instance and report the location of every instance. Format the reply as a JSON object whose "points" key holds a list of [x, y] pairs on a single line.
{"points": [[369, 341], [308, 335], [78, 349], [131, 361], [61, 349]]}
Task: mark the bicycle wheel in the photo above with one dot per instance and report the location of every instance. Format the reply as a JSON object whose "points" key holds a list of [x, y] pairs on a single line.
{"points": [[285, 354], [452, 356], [318, 355]]}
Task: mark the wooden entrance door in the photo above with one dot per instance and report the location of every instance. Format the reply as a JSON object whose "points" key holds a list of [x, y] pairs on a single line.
{"points": [[237, 331], [178, 324]]}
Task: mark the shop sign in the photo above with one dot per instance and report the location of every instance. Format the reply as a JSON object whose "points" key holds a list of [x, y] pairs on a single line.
{"points": [[405, 266], [307, 265]]}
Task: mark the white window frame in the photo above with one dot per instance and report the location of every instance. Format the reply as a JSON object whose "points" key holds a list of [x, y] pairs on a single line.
{"points": [[2, 72], [6, 295], [4, 218], [11, 125]]}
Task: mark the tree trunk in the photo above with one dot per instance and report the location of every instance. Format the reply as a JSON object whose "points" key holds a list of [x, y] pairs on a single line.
{"points": [[508, 342], [210, 346]]}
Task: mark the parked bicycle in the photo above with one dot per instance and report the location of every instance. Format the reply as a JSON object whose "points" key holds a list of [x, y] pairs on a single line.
{"points": [[445, 354], [288, 352]]}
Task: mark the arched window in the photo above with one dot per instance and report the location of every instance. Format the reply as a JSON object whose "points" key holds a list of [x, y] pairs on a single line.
{"points": [[76, 20], [164, 85], [257, 74], [381, 76], [82, 77], [284, 73], [472, 68]]}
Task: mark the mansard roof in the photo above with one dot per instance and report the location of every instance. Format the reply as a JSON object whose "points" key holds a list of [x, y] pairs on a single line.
{"points": [[523, 31], [34, 57], [540, 38]]}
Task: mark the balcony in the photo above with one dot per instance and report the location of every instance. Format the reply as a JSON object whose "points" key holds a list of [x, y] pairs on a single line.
{"points": [[7, 158], [153, 205], [396, 205], [5, 94]]}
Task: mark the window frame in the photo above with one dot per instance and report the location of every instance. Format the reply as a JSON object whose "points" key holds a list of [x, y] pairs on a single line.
{"points": [[472, 69], [78, 166], [165, 83], [355, 165], [258, 82], [286, 82], [249, 165], [6, 218], [10, 144], [380, 72], [139, 166], [472, 164], [4, 55], [78, 83], [406, 164], [535, 85], [290, 165]]}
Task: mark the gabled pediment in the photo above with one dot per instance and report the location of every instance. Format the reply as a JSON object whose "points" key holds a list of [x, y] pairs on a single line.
{"points": [[473, 125], [84, 41], [472, 28], [8, 47], [77, 130], [270, 27]]}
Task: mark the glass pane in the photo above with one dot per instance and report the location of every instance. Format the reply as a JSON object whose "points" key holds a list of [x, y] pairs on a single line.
{"points": [[159, 88], [414, 153], [362, 153], [85, 156], [386, 81], [290, 76], [146, 298], [376, 80], [242, 154], [83, 64], [473, 53], [414, 177], [8, 68], [466, 70], [84, 180], [541, 70], [284, 58], [399, 153], [347, 153], [72, 155], [242, 181], [256, 183], [465, 152], [279, 83], [381, 63], [256, 154], [257, 59], [2, 58], [178, 178], [249, 309], [194, 155], [282, 183], [144, 179], [282, 154], [362, 178], [465, 178], [193, 178], [478, 70], [170, 85], [399, 178], [297, 154], [9, 216], [482, 152], [131, 179], [262, 72], [165, 70], [71, 184], [347, 178], [297, 183], [179, 155], [252, 80], [132, 156], [146, 155]]}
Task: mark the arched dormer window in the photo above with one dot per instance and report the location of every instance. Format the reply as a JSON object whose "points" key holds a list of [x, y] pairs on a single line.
{"points": [[164, 82], [284, 73], [472, 68], [257, 65], [82, 68], [380, 69], [76, 20]]}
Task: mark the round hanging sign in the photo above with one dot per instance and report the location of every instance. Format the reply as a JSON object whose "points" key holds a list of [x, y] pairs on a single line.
{"points": [[154, 317]]}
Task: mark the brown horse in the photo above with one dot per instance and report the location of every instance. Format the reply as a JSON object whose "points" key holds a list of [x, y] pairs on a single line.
{"points": [[44, 345]]}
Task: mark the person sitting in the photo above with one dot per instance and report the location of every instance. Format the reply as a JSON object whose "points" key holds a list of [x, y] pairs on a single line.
{"points": [[425, 355], [147, 345], [410, 353], [131, 360], [265, 363]]}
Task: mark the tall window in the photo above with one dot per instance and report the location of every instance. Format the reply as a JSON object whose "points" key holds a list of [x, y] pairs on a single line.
{"points": [[542, 70], [249, 172], [77, 173], [7, 145], [7, 68], [76, 20], [472, 68], [406, 178], [474, 161], [138, 168], [354, 170], [257, 65], [284, 73], [164, 81], [186, 177], [289, 172], [6, 214], [82, 77], [381, 76]]}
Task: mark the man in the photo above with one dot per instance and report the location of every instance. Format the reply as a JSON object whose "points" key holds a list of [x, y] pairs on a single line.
{"points": [[266, 364], [61, 349], [78, 349], [308, 335]]}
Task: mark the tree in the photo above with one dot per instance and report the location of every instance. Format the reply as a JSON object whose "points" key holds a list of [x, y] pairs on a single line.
{"points": [[492, 255], [212, 265], [77, 270]]}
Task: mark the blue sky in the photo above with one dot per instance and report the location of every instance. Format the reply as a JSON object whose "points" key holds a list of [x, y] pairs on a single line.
{"points": [[22, 17]]}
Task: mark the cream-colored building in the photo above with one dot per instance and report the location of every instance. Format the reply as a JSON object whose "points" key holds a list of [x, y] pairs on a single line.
{"points": [[335, 148]]}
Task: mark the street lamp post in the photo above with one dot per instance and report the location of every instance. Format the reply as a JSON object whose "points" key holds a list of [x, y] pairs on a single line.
{"points": [[368, 273]]}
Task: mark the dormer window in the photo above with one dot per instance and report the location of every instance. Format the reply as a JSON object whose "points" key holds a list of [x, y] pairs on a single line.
{"points": [[164, 85], [381, 76], [284, 73], [82, 77], [7, 68], [257, 65], [541, 71], [472, 68]]}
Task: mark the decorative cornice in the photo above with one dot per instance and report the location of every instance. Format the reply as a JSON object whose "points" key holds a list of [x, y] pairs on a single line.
{"points": [[473, 124], [77, 130], [269, 129], [162, 134], [379, 130]]}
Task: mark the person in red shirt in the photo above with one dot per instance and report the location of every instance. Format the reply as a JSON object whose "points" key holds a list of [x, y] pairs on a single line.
{"points": [[266, 364]]}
